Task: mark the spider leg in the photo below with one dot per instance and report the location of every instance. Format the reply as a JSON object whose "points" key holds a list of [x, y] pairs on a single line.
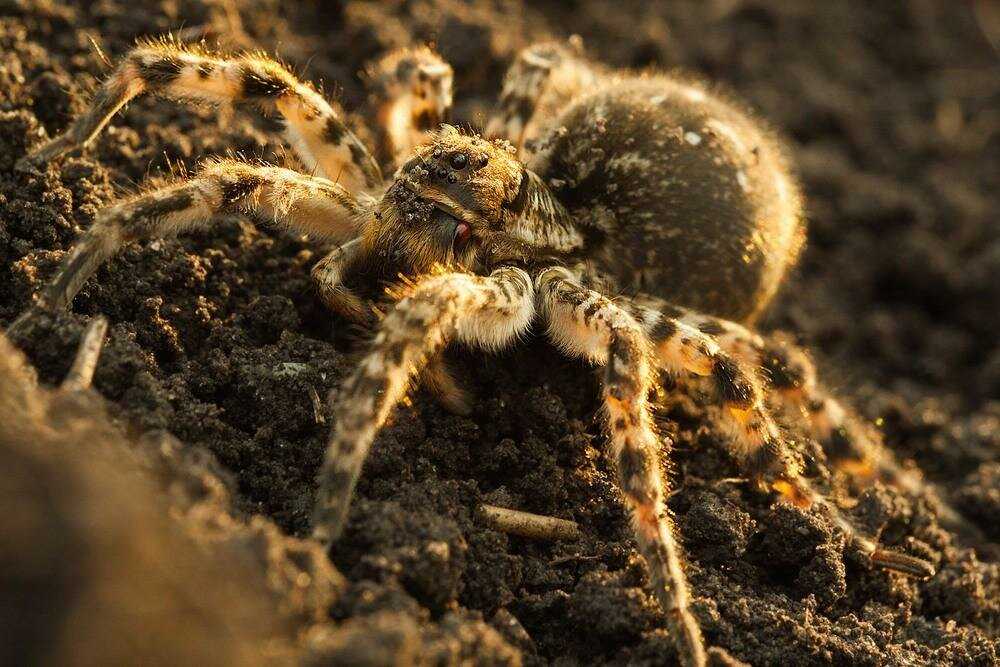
{"points": [[687, 341], [328, 273], [437, 377], [539, 82], [313, 127], [272, 195], [586, 324], [681, 348], [486, 312], [850, 444], [81, 373], [411, 95]]}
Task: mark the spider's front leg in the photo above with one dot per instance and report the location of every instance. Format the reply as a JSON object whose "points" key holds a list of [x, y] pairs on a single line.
{"points": [[485, 312], [584, 323], [313, 127], [281, 197]]}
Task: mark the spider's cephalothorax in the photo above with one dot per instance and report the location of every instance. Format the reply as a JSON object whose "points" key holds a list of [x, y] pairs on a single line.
{"points": [[598, 184]]}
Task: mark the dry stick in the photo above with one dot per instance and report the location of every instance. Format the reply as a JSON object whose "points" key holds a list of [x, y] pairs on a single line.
{"points": [[525, 524], [317, 406], [81, 374]]}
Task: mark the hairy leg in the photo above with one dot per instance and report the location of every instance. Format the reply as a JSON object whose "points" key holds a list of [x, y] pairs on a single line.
{"points": [[485, 312], [313, 127], [270, 195], [539, 83], [586, 324], [410, 95], [850, 443], [328, 274], [681, 348], [704, 346]]}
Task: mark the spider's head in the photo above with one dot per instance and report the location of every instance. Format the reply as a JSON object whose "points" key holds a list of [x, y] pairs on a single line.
{"points": [[412, 95], [451, 203]]}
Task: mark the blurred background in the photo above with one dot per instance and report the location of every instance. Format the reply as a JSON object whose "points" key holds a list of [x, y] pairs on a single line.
{"points": [[892, 115]]}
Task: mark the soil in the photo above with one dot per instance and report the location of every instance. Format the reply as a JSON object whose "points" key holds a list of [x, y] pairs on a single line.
{"points": [[218, 342]]}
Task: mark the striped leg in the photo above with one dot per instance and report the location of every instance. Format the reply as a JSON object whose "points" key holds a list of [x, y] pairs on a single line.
{"points": [[411, 95], [586, 324], [541, 80], [283, 197], [850, 444], [313, 127], [706, 346], [683, 348], [486, 312]]}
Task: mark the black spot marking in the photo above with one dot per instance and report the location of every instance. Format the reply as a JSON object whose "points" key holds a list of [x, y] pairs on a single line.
{"points": [[205, 70], [523, 108], [334, 131], [711, 328], [425, 121], [763, 460], [348, 446], [160, 72], [620, 424], [663, 330], [733, 384], [621, 360], [840, 445], [671, 311], [592, 309], [394, 353], [634, 465], [372, 385], [236, 189], [358, 153], [260, 84], [781, 369], [337, 483], [151, 210], [404, 69]]}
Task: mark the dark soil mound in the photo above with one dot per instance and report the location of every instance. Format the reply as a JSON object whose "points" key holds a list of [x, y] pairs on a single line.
{"points": [[893, 110]]}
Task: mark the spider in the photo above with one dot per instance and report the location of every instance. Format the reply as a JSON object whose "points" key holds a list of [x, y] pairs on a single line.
{"points": [[589, 184]]}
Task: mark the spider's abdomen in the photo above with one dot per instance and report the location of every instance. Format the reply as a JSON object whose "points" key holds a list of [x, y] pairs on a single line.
{"points": [[682, 194]]}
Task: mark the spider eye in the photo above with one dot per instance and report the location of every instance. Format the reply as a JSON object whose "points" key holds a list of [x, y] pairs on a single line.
{"points": [[463, 234], [459, 160]]}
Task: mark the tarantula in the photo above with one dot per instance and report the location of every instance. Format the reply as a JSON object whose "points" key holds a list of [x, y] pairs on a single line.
{"points": [[593, 184]]}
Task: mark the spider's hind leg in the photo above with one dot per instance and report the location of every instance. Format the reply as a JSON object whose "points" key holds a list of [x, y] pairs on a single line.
{"points": [[543, 79], [732, 357]]}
